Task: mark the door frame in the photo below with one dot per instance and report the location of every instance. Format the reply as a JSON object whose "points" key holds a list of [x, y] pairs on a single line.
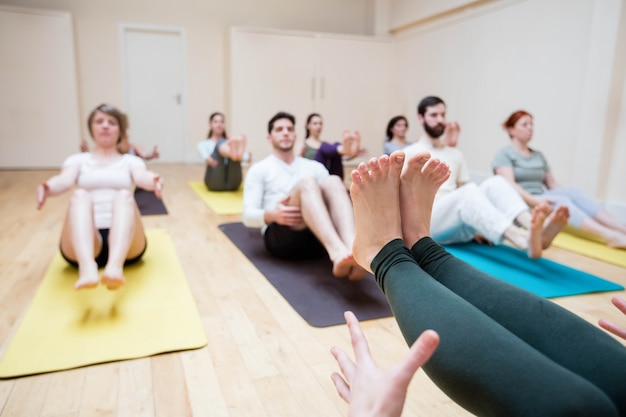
{"points": [[125, 27]]}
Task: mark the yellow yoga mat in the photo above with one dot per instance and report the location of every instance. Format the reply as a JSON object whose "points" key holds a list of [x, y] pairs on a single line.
{"points": [[590, 248], [64, 328], [221, 202]]}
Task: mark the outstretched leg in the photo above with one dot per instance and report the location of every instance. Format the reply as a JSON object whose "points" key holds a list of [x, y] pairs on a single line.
{"points": [[126, 239], [512, 378], [308, 195], [80, 240]]}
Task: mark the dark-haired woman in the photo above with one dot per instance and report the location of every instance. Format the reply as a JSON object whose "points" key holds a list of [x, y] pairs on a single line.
{"points": [[331, 155], [223, 156]]}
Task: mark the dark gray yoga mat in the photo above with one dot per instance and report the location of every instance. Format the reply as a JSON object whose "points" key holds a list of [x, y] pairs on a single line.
{"points": [[309, 286], [148, 203]]}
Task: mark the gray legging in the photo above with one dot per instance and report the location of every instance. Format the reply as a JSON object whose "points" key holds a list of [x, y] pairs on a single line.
{"points": [[226, 176], [503, 350]]}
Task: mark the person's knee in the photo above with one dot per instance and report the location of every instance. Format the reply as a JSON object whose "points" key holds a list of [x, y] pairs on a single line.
{"points": [[123, 196], [308, 184], [333, 182], [81, 196]]}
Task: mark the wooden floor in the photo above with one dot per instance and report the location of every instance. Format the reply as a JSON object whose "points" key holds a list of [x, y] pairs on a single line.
{"points": [[262, 359]]}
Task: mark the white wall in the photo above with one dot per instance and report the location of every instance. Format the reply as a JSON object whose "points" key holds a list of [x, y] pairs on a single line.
{"points": [[552, 58], [96, 32]]}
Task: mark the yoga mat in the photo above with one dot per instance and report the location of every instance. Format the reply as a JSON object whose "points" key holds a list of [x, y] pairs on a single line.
{"points": [[64, 328], [542, 276], [309, 286], [590, 248], [148, 203], [221, 202]]}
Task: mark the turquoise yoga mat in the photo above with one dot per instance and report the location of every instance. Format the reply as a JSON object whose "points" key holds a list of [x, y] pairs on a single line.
{"points": [[542, 276]]}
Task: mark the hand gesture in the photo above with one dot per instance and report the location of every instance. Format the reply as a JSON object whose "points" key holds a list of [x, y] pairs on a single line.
{"points": [[369, 390], [619, 331], [83, 146]]}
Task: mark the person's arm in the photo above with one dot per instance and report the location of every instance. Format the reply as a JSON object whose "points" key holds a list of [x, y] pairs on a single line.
{"points": [[619, 331], [203, 150], [550, 182], [509, 175], [57, 184], [369, 390], [146, 179]]}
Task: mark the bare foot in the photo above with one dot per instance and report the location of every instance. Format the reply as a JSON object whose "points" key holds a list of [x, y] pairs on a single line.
{"points": [[555, 222], [113, 277], [87, 276], [618, 241], [375, 197], [347, 143], [356, 144], [237, 145], [419, 183], [451, 134], [538, 217], [343, 265], [357, 273]]}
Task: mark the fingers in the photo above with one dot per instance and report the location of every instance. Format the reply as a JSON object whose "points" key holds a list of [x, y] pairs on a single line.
{"points": [[611, 327], [359, 342], [421, 351], [620, 303], [347, 367], [342, 387]]}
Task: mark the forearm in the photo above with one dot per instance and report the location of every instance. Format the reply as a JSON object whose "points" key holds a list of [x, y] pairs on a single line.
{"points": [[146, 179], [254, 217], [59, 184]]}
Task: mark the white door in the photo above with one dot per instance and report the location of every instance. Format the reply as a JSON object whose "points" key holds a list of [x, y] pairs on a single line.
{"points": [[39, 116], [153, 64], [355, 88]]}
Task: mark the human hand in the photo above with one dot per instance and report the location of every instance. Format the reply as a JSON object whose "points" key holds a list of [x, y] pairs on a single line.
{"points": [[158, 186], [155, 153], [611, 327], [42, 194], [212, 162], [479, 238], [83, 146], [369, 390], [451, 134], [288, 215]]}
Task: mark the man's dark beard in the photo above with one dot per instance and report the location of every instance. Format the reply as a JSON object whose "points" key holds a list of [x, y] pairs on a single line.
{"points": [[434, 131]]}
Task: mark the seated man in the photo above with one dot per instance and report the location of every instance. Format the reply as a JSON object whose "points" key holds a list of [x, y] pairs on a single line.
{"points": [[303, 211], [493, 210]]}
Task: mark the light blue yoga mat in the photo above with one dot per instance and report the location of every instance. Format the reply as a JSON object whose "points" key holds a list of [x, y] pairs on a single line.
{"points": [[542, 276]]}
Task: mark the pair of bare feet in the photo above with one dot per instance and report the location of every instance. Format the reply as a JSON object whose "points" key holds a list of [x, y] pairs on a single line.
{"points": [[237, 147], [545, 224], [350, 144], [112, 277], [393, 203]]}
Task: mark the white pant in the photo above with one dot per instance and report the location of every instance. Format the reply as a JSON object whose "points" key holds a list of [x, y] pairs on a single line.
{"points": [[489, 209]]}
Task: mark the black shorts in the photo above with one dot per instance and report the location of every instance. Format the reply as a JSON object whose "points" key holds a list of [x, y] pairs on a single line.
{"points": [[103, 256], [285, 243]]}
